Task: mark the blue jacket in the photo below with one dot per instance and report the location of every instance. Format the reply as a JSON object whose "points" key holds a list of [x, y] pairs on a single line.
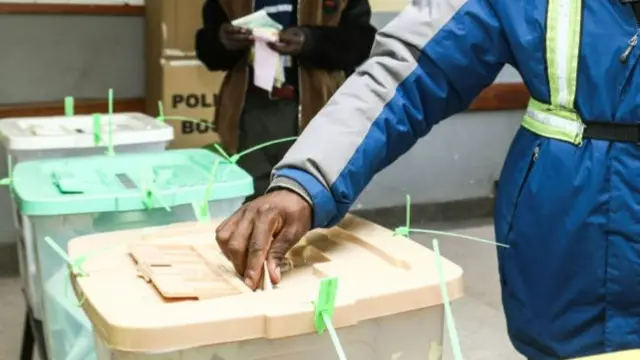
{"points": [[571, 214]]}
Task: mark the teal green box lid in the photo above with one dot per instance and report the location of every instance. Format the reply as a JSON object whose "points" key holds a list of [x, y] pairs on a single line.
{"points": [[126, 182]]}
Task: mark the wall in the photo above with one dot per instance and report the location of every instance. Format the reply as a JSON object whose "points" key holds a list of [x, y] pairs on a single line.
{"points": [[47, 57]]}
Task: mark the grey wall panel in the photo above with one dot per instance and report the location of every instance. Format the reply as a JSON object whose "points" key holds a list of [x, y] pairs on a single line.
{"points": [[46, 57]]}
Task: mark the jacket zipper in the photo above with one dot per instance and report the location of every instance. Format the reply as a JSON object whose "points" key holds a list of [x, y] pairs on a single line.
{"points": [[631, 45]]}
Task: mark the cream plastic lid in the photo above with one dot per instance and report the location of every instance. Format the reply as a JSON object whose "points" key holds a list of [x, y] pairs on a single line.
{"points": [[62, 132], [379, 275]]}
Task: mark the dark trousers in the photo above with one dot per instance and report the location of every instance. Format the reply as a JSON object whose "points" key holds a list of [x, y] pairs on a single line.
{"points": [[264, 120]]}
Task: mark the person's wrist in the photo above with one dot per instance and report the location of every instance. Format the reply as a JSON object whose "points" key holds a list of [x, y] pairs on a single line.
{"points": [[286, 184], [307, 43]]}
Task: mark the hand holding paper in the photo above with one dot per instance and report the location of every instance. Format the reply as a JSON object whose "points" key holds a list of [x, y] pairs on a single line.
{"points": [[291, 42], [235, 38], [265, 64]]}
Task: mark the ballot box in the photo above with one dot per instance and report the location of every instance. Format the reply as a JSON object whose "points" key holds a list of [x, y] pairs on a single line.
{"points": [[168, 293]]}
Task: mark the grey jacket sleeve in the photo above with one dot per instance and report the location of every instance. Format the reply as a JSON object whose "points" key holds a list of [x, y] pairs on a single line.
{"points": [[425, 66]]}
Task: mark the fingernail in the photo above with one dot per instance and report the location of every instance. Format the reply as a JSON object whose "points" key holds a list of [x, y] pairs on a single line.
{"points": [[249, 283]]}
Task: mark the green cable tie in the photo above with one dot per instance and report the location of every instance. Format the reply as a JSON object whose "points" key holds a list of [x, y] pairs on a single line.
{"points": [[149, 191], [97, 129], [110, 151], [160, 118], [444, 233], [405, 230], [222, 152], [74, 266], [334, 337], [448, 314], [325, 303], [201, 209], [324, 309], [237, 157], [68, 106], [8, 181]]}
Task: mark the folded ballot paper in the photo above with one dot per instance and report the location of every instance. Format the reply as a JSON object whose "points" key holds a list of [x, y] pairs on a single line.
{"points": [[268, 65]]}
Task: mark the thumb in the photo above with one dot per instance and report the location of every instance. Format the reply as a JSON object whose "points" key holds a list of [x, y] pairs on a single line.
{"points": [[276, 255]]}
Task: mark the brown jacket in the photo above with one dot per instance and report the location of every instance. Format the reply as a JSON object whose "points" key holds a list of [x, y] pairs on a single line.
{"points": [[316, 84]]}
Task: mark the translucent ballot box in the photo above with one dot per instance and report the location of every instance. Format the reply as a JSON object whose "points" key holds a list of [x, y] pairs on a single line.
{"points": [[60, 199], [51, 137], [168, 293]]}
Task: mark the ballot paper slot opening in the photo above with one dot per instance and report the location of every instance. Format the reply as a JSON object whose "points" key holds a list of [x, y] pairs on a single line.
{"points": [[126, 181]]}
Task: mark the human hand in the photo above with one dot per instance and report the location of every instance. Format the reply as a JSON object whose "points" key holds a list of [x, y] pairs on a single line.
{"points": [[235, 38], [291, 42], [264, 230]]}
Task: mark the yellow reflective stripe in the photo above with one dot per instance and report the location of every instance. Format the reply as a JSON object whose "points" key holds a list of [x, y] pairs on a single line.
{"points": [[560, 125], [550, 132], [559, 120], [563, 49], [574, 55]]}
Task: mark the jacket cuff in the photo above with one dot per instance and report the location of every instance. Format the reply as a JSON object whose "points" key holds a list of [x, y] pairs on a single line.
{"points": [[309, 41], [310, 189]]}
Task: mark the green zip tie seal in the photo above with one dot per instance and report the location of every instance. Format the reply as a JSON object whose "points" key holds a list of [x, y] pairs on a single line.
{"points": [[407, 230], [74, 267], [201, 209], [110, 150], [234, 159], [150, 192], [325, 303], [160, 118], [8, 181], [448, 314], [97, 129], [324, 309], [68, 106]]}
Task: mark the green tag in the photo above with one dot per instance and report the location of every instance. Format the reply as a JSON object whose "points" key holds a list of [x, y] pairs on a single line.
{"points": [[97, 129], [68, 106], [325, 303]]}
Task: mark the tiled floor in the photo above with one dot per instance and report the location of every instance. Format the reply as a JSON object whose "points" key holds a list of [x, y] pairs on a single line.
{"points": [[479, 317]]}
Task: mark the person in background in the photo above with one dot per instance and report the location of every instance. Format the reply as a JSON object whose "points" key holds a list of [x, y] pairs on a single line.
{"points": [[323, 41]]}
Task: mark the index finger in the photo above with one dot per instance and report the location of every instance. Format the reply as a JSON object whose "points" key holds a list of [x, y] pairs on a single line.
{"points": [[268, 224]]}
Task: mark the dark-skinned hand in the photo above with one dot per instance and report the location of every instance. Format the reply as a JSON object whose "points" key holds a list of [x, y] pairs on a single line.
{"points": [[235, 38], [264, 230], [291, 41]]}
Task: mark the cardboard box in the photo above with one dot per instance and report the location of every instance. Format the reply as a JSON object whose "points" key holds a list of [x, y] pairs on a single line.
{"points": [[187, 89], [171, 27]]}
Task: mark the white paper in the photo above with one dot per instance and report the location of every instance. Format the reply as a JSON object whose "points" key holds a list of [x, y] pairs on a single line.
{"points": [[257, 20], [265, 62]]}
